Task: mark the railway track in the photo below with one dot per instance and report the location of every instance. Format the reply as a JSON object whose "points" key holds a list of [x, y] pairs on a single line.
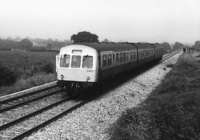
{"points": [[18, 101], [25, 125], [169, 55]]}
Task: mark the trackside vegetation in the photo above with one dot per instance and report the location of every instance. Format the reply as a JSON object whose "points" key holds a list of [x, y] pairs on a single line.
{"points": [[171, 112], [21, 70]]}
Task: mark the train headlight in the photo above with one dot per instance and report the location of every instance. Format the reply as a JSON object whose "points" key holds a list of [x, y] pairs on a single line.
{"points": [[88, 78], [62, 77]]}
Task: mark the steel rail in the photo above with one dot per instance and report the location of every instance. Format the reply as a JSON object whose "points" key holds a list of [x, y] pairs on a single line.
{"points": [[25, 95], [170, 55], [30, 131], [28, 101], [32, 114]]}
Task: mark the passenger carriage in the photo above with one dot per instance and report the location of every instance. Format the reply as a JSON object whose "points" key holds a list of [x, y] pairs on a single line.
{"points": [[80, 66]]}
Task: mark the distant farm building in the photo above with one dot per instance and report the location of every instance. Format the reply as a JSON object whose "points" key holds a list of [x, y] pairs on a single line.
{"points": [[187, 50]]}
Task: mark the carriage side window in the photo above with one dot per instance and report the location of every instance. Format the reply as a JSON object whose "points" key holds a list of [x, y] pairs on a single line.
{"points": [[152, 52], [121, 57], [128, 55], [113, 58], [104, 60], [64, 60], [131, 55], [140, 54], [109, 59], [76, 61], [147, 52], [156, 51], [87, 62], [134, 55], [117, 58], [124, 56]]}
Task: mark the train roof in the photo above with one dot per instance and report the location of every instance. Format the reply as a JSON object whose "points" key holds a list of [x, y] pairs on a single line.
{"points": [[144, 45], [116, 46], [158, 45]]}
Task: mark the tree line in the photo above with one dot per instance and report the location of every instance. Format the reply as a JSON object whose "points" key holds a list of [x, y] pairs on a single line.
{"points": [[83, 36], [11, 44], [32, 44]]}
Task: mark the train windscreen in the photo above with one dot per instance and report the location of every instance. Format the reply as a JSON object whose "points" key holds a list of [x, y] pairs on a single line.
{"points": [[76, 61], [64, 60], [87, 62]]}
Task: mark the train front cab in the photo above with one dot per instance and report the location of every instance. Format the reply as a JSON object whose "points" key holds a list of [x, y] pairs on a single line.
{"points": [[77, 67]]}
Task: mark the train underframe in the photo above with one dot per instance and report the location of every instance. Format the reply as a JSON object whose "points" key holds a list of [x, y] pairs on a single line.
{"points": [[74, 87]]}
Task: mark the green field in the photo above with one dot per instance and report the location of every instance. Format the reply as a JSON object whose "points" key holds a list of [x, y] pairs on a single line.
{"points": [[23, 69], [24, 61]]}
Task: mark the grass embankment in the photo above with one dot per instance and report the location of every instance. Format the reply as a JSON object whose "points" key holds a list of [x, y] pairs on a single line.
{"points": [[22, 70], [171, 112]]}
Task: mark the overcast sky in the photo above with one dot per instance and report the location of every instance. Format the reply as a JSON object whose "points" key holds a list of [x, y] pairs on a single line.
{"points": [[116, 20]]}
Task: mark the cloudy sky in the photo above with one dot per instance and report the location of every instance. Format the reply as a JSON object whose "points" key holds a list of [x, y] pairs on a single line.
{"points": [[116, 20]]}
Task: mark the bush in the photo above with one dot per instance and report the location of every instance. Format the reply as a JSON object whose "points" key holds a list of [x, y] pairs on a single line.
{"points": [[7, 77], [47, 68], [27, 82]]}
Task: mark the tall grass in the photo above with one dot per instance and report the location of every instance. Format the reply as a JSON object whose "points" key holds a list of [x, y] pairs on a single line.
{"points": [[27, 82], [11, 81], [22, 69], [171, 112], [25, 61]]}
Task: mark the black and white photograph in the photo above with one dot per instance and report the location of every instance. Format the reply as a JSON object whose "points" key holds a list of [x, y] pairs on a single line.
{"points": [[100, 70]]}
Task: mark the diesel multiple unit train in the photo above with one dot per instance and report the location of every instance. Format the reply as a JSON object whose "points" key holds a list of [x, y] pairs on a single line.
{"points": [[81, 66]]}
